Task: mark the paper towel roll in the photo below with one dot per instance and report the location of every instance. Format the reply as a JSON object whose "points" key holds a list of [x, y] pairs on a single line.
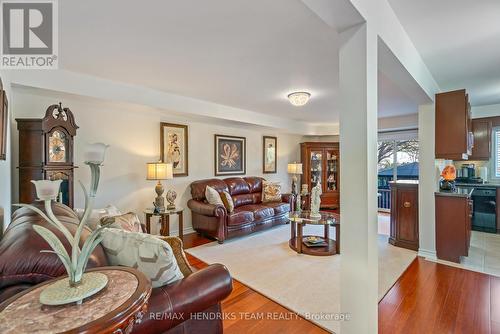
{"points": [[483, 173]]}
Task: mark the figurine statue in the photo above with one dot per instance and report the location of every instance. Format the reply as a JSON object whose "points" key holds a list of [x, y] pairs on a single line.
{"points": [[171, 196], [316, 200]]}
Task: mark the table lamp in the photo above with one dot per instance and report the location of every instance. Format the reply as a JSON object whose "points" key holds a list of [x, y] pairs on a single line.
{"points": [[294, 169], [159, 171]]}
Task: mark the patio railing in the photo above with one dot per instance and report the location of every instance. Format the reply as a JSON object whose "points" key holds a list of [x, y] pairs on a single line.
{"points": [[384, 200]]}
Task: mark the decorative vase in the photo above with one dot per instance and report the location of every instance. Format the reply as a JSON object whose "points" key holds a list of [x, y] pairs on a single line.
{"points": [[78, 285]]}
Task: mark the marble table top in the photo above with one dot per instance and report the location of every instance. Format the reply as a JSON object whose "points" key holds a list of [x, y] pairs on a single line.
{"points": [[27, 315]]}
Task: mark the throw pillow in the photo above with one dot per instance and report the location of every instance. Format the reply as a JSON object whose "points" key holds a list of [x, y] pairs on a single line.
{"points": [[128, 222], [144, 252], [228, 201], [271, 191], [96, 215], [213, 197]]}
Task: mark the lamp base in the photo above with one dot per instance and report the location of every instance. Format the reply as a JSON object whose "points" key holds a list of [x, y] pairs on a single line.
{"points": [[159, 202]]}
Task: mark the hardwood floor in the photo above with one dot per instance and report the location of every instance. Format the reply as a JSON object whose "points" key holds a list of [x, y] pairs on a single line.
{"points": [[435, 298], [428, 298], [247, 306]]}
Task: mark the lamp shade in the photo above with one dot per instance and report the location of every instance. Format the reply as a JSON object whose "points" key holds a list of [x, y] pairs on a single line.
{"points": [[159, 171], [295, 168], [95, 153]]}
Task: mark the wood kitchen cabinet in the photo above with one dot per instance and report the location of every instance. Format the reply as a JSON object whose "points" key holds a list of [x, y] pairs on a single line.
{"points": [[321, 163], [404, 214], [481, 129], [454, 138], [453, 226]]}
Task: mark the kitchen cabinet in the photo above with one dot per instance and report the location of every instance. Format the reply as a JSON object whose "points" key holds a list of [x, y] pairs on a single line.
{"points": [[481, 129], [454, 139], [453, 226], [404, 214], [321, 163]]}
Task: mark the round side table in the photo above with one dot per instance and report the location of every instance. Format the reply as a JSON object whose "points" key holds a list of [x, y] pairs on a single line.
{"points": [[115, 309], [165, 220]]}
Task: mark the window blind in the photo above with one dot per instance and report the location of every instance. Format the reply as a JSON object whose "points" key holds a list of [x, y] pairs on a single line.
{"points": [[497, 152]]}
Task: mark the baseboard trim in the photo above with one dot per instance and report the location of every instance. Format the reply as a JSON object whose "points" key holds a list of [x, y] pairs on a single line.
{"points": [[427, 254]]}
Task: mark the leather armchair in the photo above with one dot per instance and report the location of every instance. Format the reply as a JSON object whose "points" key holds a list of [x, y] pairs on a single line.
{"points": [[190, 305]]}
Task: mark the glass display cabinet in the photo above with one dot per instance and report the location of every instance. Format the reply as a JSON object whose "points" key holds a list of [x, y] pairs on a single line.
{"points": [[321, 163]]}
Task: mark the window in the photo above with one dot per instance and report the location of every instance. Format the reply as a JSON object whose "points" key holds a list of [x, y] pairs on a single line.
{"points": [[397, 160], [496, 151]]}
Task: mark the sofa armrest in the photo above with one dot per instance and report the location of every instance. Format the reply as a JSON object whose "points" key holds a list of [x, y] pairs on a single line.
{"points": [[179, 254], [178, 301], [287, 198], [207, 209]]}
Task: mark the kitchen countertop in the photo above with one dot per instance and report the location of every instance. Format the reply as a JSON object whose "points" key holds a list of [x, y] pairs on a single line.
{"points": [[459, 192]]}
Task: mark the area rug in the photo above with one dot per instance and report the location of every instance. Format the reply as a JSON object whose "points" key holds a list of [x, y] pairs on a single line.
{"points": [[307, 285]]}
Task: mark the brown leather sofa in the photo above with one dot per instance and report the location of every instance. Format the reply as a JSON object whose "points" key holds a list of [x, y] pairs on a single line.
{"points": [[250, 213], [199, 293]]}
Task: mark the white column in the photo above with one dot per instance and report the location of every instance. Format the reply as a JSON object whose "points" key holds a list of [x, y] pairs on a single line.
{"points": [[428, 181], [358, 179]]}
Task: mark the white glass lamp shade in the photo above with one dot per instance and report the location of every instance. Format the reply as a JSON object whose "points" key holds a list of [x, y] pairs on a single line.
{"points": [[299, 99], [46, 189], [95, 153], [295, 168], [159, 171]]}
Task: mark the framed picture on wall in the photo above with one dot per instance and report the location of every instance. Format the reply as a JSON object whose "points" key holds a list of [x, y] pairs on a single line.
{"points": [[230, 155], [270, 154], [3, 124], [174, 147]]}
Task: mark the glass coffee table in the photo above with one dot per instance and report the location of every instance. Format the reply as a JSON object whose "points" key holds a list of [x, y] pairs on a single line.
{"points": [[312, 244]]}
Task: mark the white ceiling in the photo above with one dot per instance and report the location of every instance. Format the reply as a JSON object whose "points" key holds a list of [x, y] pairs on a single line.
{"points": [[244, 54], [459, 41]]}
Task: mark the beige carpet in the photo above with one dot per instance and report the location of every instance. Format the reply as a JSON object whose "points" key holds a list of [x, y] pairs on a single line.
{"points": [[308, 285]]}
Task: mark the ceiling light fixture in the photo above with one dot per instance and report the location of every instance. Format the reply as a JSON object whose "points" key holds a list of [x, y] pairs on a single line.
{"points": [[298, 99]]}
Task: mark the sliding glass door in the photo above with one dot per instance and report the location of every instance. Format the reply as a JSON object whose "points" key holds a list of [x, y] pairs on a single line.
{"points": [[397, 160]]}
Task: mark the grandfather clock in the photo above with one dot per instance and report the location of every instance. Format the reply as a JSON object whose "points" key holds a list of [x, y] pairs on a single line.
{"points": [[46, 152]]}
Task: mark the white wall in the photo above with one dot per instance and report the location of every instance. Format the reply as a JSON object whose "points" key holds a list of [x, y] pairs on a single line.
{"points": [[486, 111], [5, 170], [398, 122], [428, 181], [134, 135]]}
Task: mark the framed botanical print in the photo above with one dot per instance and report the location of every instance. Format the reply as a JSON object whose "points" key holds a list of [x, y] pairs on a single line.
{"points": [[174, 147], [3, 124], [230, 155], [270, 153]]}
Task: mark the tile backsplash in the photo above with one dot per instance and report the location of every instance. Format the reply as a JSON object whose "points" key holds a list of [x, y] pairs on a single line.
{"points": [[477, 164]]}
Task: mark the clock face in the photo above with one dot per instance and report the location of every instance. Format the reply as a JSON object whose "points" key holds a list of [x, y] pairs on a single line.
{"points": [[57, 147]]}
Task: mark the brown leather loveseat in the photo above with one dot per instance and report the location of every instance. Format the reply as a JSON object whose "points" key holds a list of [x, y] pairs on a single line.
{"points": [[250, 213], [199, 293]]}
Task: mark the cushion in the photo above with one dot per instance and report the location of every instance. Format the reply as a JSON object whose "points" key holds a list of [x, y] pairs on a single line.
{"points": [[96, 215], [271, 192], [212, 196], [279, 207], [260, 212], [144, 252], [228, 201], [239, 217], [128, 222]]}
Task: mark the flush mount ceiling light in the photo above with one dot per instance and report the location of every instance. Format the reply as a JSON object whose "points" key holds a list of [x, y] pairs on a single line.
{"points": [[298, 99]]}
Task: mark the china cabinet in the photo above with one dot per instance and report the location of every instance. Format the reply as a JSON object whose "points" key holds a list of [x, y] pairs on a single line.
{"points": [[321, 163]]}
